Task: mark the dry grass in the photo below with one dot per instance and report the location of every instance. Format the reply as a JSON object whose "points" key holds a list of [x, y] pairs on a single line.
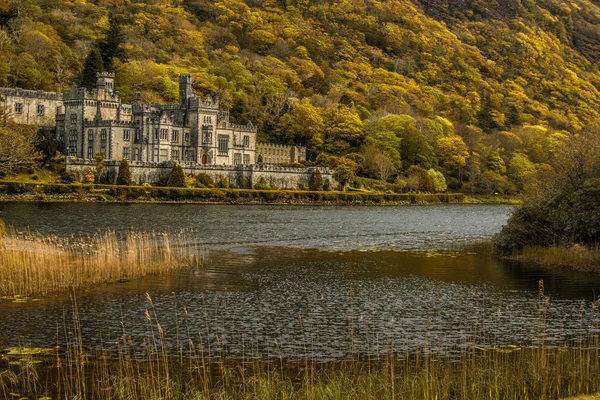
{"points": [[151, 372], [575, 257], [37, 265]]}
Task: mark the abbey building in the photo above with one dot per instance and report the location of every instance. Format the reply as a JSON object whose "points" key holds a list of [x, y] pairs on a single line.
{"points": [[194, 131]]}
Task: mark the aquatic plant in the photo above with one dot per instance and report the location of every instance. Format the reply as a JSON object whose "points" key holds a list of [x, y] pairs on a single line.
{"points": [[33, 264], [485, 371]]}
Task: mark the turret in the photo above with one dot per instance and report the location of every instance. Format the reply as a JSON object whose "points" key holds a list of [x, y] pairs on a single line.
{"points": [[105, 80], [185, 89]]}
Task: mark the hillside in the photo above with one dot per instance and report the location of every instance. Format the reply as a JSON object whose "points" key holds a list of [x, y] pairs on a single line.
{"points": [[483, 91]]}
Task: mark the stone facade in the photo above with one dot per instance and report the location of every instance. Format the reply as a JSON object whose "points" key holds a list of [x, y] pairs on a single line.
{"points": [[240, 175], [193, 131], [280, 154], [31, 107]]}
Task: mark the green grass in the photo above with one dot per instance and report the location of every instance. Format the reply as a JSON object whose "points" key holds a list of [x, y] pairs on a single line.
{"points": [[504, 199]]}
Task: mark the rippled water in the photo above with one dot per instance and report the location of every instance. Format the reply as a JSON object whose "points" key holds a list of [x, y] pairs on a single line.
{"points": [[321, 282]]}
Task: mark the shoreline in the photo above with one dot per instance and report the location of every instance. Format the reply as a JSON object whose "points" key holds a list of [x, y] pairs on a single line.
{"points": [[43, 192], [587, 261]]}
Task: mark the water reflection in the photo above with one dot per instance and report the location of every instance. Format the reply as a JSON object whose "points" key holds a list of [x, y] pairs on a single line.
{"points": [[237, 227], [291, 303]]}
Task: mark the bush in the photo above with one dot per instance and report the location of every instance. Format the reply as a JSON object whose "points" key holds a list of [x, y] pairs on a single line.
{"points": [[223, 183], [315, 182], [2, 228], [124, 174], [163, 180], [177, 177], [204, 179], [261, 184], [87, 175], [554, 220]]}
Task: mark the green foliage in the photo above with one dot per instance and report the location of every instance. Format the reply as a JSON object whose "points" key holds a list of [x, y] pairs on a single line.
{"points": [[343, 174], [124, 174], [567, 210], [496, 164], [439, 181], [204, 179], [46, 145], [177, 177], [261, 184], [315, 182], [100, 164], [420, 179]]}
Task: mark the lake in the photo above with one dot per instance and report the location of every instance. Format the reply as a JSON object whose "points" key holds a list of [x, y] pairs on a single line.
{"points": [[298, 281]]}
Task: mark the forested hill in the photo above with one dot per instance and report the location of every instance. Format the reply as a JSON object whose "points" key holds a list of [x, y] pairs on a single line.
{"points": [[413, 82]]}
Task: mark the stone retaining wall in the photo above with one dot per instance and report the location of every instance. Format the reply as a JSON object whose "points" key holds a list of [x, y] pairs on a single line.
{"points": [[241, 175]]}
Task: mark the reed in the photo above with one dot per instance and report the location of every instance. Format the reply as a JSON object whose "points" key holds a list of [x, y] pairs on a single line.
{"points": [[575, 257], [486, 371], [32, 264]]}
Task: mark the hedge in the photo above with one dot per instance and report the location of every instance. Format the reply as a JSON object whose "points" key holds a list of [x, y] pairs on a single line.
{"points": [[130, 193]]}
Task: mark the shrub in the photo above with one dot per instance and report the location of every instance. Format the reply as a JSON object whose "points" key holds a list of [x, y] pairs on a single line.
{"points": [[87, 175], [315, 182], [2, 228], [203, 179], [177, 177], [124, 174], [163, 180], [223, 182], [261, 184]]}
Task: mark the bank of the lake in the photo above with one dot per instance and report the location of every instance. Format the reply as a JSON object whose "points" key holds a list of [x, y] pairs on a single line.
{"points": [[26, 191], [575, 257]]}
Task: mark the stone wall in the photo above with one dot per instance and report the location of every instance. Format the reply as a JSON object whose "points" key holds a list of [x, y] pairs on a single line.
{"points": [[241, 175], [279, 154], [31, 107]]}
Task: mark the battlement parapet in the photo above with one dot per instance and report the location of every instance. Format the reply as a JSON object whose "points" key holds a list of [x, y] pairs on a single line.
{"points": [[80, 93], [240, 128], [207, 102], [31, 94], [110, 123]]}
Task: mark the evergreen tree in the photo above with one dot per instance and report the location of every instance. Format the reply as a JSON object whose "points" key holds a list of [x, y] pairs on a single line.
{"points": [[110, 47], [93, 64], [315, 182], [177, 177], [124, 174], [46, 145]]}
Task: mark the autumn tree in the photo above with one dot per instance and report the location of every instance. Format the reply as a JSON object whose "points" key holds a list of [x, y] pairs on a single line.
{"points": [[303, 125], [343, 130], [452, 154], [17, 149]]}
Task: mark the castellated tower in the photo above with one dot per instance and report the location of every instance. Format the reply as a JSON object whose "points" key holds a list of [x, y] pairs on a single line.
{"points": [[105, 81], [185, 89]]}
